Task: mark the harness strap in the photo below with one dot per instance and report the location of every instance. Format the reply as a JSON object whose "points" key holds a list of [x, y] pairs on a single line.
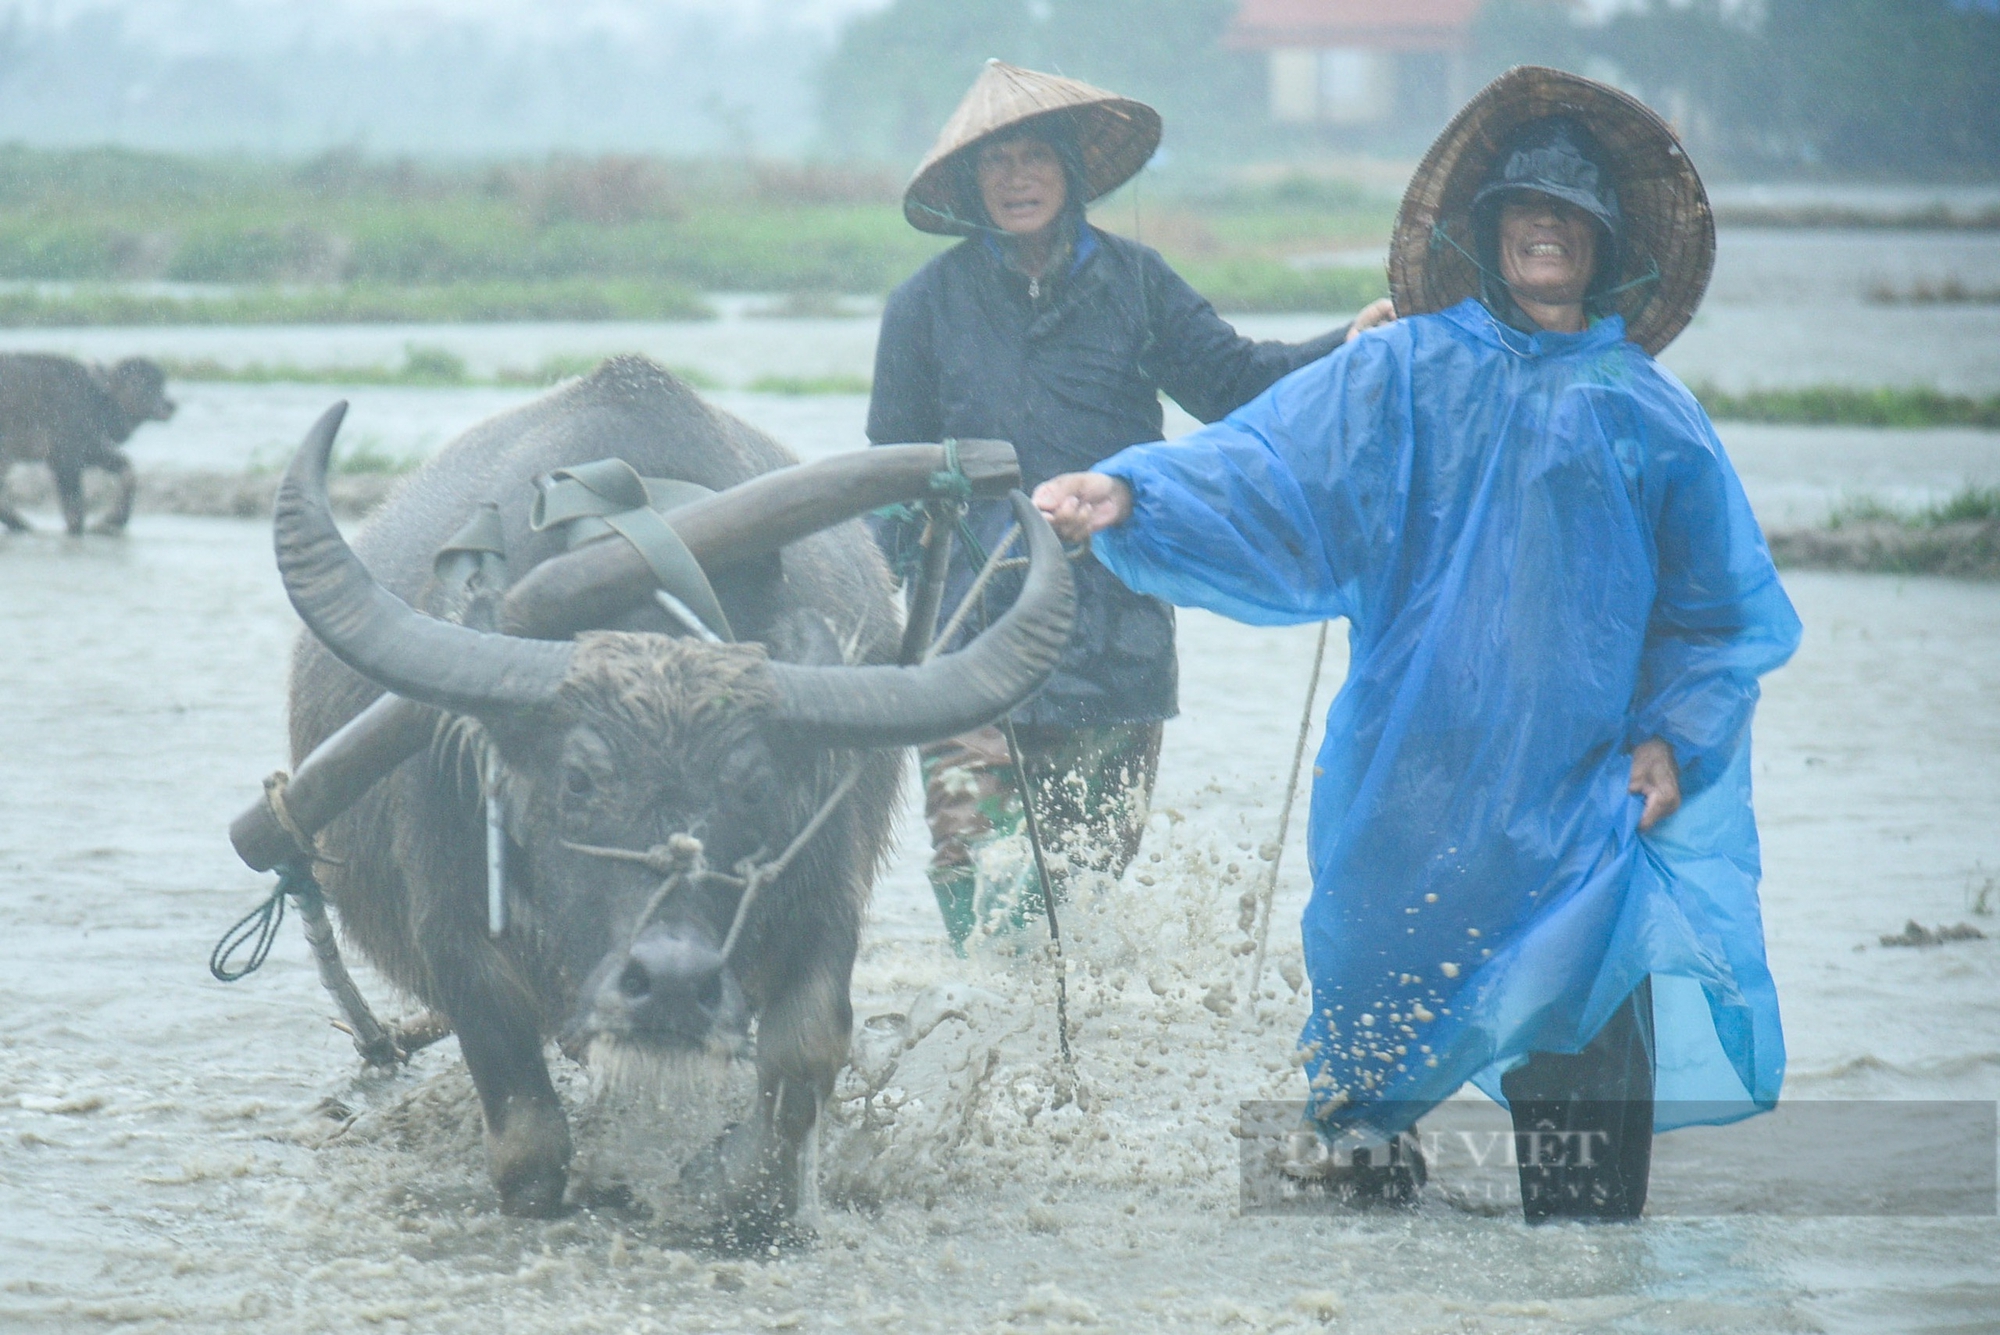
{"points": [[607, 496], [482, 538]]}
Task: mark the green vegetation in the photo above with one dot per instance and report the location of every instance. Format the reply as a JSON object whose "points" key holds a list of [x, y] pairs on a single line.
{"points": [[360, 455], [1953, 291], [1824, 405], [1902, 89], [823, 384], [1835, 405], [423, 367], [1970, 504], [338, 240], [1251, 286], [109, 214], [1959, 537], [359, 303]]}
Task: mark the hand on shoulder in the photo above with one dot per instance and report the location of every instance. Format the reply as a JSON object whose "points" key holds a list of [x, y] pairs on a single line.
{"points": [[1374, 315]]}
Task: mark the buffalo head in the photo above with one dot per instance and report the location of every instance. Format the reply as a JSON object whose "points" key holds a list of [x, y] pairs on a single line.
{"points": [[139, 387], [643, 777]]}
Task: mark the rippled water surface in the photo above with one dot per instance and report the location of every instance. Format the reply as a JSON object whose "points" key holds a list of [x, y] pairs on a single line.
{"points": [[164, 1163], [172, 1154]]}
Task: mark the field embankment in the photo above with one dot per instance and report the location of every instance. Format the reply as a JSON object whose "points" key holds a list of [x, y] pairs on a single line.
{"points": [[423, 365], [1959, 537]]}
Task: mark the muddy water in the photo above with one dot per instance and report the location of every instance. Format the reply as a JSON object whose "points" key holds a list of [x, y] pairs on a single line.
{"points": [[177, 1154], [171, 1154]]}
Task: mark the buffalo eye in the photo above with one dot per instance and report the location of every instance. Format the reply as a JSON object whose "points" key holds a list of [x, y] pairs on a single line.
{"points": [[578, 783]]}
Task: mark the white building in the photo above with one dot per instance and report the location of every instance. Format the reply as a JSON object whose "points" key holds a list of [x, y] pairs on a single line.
{"points": [[1358, 63]]}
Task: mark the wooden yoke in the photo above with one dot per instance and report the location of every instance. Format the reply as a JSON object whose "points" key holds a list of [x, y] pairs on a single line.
{"points": [[598, 583]]}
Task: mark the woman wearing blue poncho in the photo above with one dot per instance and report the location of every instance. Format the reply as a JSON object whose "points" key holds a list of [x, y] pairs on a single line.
{"points": [[1534, 861]]}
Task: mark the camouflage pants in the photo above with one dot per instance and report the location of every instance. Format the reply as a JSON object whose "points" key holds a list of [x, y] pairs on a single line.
{"points": [[1091, 786]]}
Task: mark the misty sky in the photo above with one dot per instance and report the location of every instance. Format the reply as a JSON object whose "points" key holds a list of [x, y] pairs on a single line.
{"points": [[453, 77], [212, 24]]}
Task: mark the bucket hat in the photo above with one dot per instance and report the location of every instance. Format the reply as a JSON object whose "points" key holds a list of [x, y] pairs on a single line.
{"points": [[1664, 229], [1557, 157], [1114, 137]]}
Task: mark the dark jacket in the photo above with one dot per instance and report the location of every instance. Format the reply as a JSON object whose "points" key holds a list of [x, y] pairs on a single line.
{"points": [[1071, 377]]}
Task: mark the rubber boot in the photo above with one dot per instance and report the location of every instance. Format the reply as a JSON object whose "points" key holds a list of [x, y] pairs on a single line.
{"points": [[956, 889], [1583, 1122]]}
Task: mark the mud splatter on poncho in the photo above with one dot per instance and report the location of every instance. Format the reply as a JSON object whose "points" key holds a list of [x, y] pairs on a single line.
{"points": [[1544, 557]]}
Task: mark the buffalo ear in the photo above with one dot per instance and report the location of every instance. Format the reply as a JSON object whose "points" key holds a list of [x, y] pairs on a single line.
{"points": [[802, 635]]}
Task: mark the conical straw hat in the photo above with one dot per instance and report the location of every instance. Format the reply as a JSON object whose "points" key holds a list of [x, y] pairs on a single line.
{"points": [[1667, 218], [1115, 135]]}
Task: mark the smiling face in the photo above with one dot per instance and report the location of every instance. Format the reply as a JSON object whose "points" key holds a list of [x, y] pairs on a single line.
{"points": [[1022, 184], [1548, 252]]}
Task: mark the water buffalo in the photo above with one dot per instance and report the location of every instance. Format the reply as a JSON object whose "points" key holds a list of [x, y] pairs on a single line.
{"points": [[626, 761], [73, 416]]}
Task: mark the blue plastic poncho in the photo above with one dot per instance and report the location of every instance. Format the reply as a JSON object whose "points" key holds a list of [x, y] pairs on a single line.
{"points": [[1545, 558]]}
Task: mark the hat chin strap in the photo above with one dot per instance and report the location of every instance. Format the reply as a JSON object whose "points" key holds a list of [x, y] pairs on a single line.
{"points": [[955, 222]]}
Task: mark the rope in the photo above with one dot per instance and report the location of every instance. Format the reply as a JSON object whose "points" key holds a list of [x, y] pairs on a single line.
{"points": [[1285, 820], [975, 593], [679, 860], [1048, 889], [274, 797], [258, 929], [771, 871], [950, 484]]}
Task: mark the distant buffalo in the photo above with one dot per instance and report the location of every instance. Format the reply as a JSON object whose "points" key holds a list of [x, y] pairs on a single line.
{"points": [[72, 416]]}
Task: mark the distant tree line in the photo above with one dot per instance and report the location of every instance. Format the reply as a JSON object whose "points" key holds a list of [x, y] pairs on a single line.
{"points": [[1842, 87], [896, 74], [1760, 87]]}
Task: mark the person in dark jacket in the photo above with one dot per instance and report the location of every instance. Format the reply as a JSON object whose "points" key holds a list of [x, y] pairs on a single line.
{"points": [[1043, 330]]}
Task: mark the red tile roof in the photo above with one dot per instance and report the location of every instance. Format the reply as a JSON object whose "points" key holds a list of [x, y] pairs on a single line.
{"points": [[1390, 25]]}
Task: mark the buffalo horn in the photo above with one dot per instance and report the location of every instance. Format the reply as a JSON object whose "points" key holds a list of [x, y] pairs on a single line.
{"points": [[592, 586], [600, 581], [378, 634], [955, 693]]}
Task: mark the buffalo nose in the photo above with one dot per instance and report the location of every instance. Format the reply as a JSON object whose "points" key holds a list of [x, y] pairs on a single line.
{"points": [[672, 974]]}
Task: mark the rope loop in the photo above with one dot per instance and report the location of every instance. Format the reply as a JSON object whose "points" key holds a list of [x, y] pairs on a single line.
{"points": [[950, 482], [258, 929]]}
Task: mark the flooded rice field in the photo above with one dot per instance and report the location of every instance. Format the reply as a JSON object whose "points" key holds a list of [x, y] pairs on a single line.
{"points": [[1786, 307], [172, 1152], [179, 1154]]}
